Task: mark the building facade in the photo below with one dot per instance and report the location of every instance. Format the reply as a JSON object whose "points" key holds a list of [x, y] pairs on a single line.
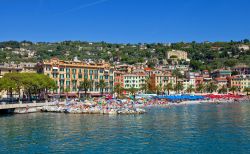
{"points": [[240, 81], [69, 74], [18, 68], [162, 80], [177, 54], [134, 80]]}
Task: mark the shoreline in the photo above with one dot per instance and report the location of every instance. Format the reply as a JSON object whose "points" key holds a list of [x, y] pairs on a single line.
{"points": [[115, 106], [132, 108]]}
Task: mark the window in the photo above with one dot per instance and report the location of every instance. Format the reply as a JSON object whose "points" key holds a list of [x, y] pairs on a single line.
{"points": [[85, 71], [74, 76], [111, 77], [61, 89], [74, 82], [54, 75], [90, 72], [111, 83], [68, 83], [80, 70], [74, 70], [101, 77], [67, 76], [79, 76], [61, 69], [106, 77], [61, 76], [96, 76], [86, 77], [62, 83], [67, 70], [101, 70]]}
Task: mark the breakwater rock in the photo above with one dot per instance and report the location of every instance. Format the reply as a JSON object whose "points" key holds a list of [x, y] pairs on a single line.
{"points": [[95, 110]]}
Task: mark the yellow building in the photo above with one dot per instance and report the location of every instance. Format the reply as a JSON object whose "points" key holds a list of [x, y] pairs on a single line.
{"points": [[22, 67], [69, 74], [177, 54], [162, 79], [241, 82]]}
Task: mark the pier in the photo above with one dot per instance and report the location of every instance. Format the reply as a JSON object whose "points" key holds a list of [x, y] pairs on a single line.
{"points": [[23, 107]]}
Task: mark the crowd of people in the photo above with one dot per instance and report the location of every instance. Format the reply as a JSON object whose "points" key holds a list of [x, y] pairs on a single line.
{"points": [[109, 105]]}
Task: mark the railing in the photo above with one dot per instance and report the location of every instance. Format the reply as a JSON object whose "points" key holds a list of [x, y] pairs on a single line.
{"points": [[16, 101]]}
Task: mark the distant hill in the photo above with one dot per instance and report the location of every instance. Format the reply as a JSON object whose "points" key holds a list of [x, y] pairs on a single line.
{"points": [[205, 55]]}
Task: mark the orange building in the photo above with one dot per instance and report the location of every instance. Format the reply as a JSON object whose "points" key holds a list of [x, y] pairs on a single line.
{"points": [[69, 74]]}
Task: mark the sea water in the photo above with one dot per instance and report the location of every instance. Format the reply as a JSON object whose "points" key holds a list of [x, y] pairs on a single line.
{"points": [[205, 128]]}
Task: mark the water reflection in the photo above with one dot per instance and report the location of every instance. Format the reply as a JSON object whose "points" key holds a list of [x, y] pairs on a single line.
{"points": [[181, 129]]}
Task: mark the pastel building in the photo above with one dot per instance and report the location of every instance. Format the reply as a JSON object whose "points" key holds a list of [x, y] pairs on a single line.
{"points": [[240, 81], [69, 74], [221, 73], [134, 80], [162, 79], [177, 54], [17, 68]]}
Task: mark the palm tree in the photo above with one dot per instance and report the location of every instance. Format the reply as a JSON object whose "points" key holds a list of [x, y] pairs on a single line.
{"points": [[233, 89], [190, 89], [159, 88], [178, 87], [67, 90], [177, 74], [144, 88], [85, 85], [168, 87], [118, 89], [200, 87], [102, 84], [223, 90], [247, 90], [211, 87]]}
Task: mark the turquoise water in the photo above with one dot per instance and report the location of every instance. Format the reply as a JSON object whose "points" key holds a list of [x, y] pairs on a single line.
{"points": [[181, 129]]}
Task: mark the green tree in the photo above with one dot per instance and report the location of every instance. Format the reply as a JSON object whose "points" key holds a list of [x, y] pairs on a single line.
{"points": [[234, 89], [31, 83], [178, 87], [168, 87], [200, 87], [8, 85], [247, 90], [177, 74], [223, 90], [118, 89], [190, 89], [102, 84], [85, 85], [211, 87], [159, 88], [67, 90]]}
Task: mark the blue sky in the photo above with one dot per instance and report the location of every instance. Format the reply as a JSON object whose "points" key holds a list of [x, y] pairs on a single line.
{"points": [[125, 21]]}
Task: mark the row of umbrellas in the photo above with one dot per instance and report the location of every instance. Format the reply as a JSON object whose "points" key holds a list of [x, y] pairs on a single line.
{"points": [[181, 97], [223, 96]]}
